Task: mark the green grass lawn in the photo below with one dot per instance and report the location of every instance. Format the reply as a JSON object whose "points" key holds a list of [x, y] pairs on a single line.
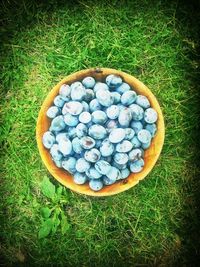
{"points": [[152, 224]]}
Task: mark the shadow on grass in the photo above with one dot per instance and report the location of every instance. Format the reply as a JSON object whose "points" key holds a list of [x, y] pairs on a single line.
{"points": [[17, 17], [190, 232]]}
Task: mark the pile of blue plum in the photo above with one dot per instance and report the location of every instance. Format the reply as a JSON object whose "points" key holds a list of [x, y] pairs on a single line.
{"points": [[99, 130]]}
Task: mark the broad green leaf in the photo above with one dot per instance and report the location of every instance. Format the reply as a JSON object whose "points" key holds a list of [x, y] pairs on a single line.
{"points": [[45, 228], [48, 189], [46, 212], [65, 226]]}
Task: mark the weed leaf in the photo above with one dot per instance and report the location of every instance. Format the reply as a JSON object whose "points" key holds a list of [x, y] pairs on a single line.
{"points": [[46, 212], [45, 228], [48, 189], [64, 224], [56, 221]]}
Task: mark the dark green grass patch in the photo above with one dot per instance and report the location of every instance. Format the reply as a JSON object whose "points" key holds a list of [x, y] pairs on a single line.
{"points": [[152, 224]]}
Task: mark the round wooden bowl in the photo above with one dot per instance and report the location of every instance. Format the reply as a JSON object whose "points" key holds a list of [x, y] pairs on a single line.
{"points": [[151, 154]]}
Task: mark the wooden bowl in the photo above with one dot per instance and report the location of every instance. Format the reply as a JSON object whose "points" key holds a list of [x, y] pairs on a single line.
{"points": [[151, 154]]}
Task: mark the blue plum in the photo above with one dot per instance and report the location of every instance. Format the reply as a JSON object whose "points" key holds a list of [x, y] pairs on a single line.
{"points": [[71, 120], [100, 86], [71, 132], [96, 184], [106, 148], [116, 97], [128, 97], [76, 145], [135, 154], [97, 131], [72, 107], [104, 97], [92, 155], [119, 166], [152, 128], [87, 142], [142, 101], [117, 135], [124, 87], [144, 136], [125, 116], [129, 133], [78, 93], [82, 165], [137, 166], [146, 145], [121, 158], [99, 117], [114, 174], [52, 112], [55, 152], [102, 166], [61, 136], [58, 124], [135, 142], [69, 165], [88, 82], [93, 173], [48, 139], [98, 143], [81, 130], [108, 181], [95, 105], [150, 115], [125, 173], [89, 95], [80, 178], [65, 90], [136, 126], [112, 112], [124, 146], [137, 112], [85, 117], [65, 146], [58, 101], [111, 124], [113, 81], [85, 106], [58, 163]]}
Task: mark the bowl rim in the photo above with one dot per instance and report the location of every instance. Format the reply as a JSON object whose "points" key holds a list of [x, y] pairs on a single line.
{"points": [[152, 153]]}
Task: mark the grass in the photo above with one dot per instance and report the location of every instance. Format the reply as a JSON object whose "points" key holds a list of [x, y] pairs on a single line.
{"points": [[152, 224]]}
